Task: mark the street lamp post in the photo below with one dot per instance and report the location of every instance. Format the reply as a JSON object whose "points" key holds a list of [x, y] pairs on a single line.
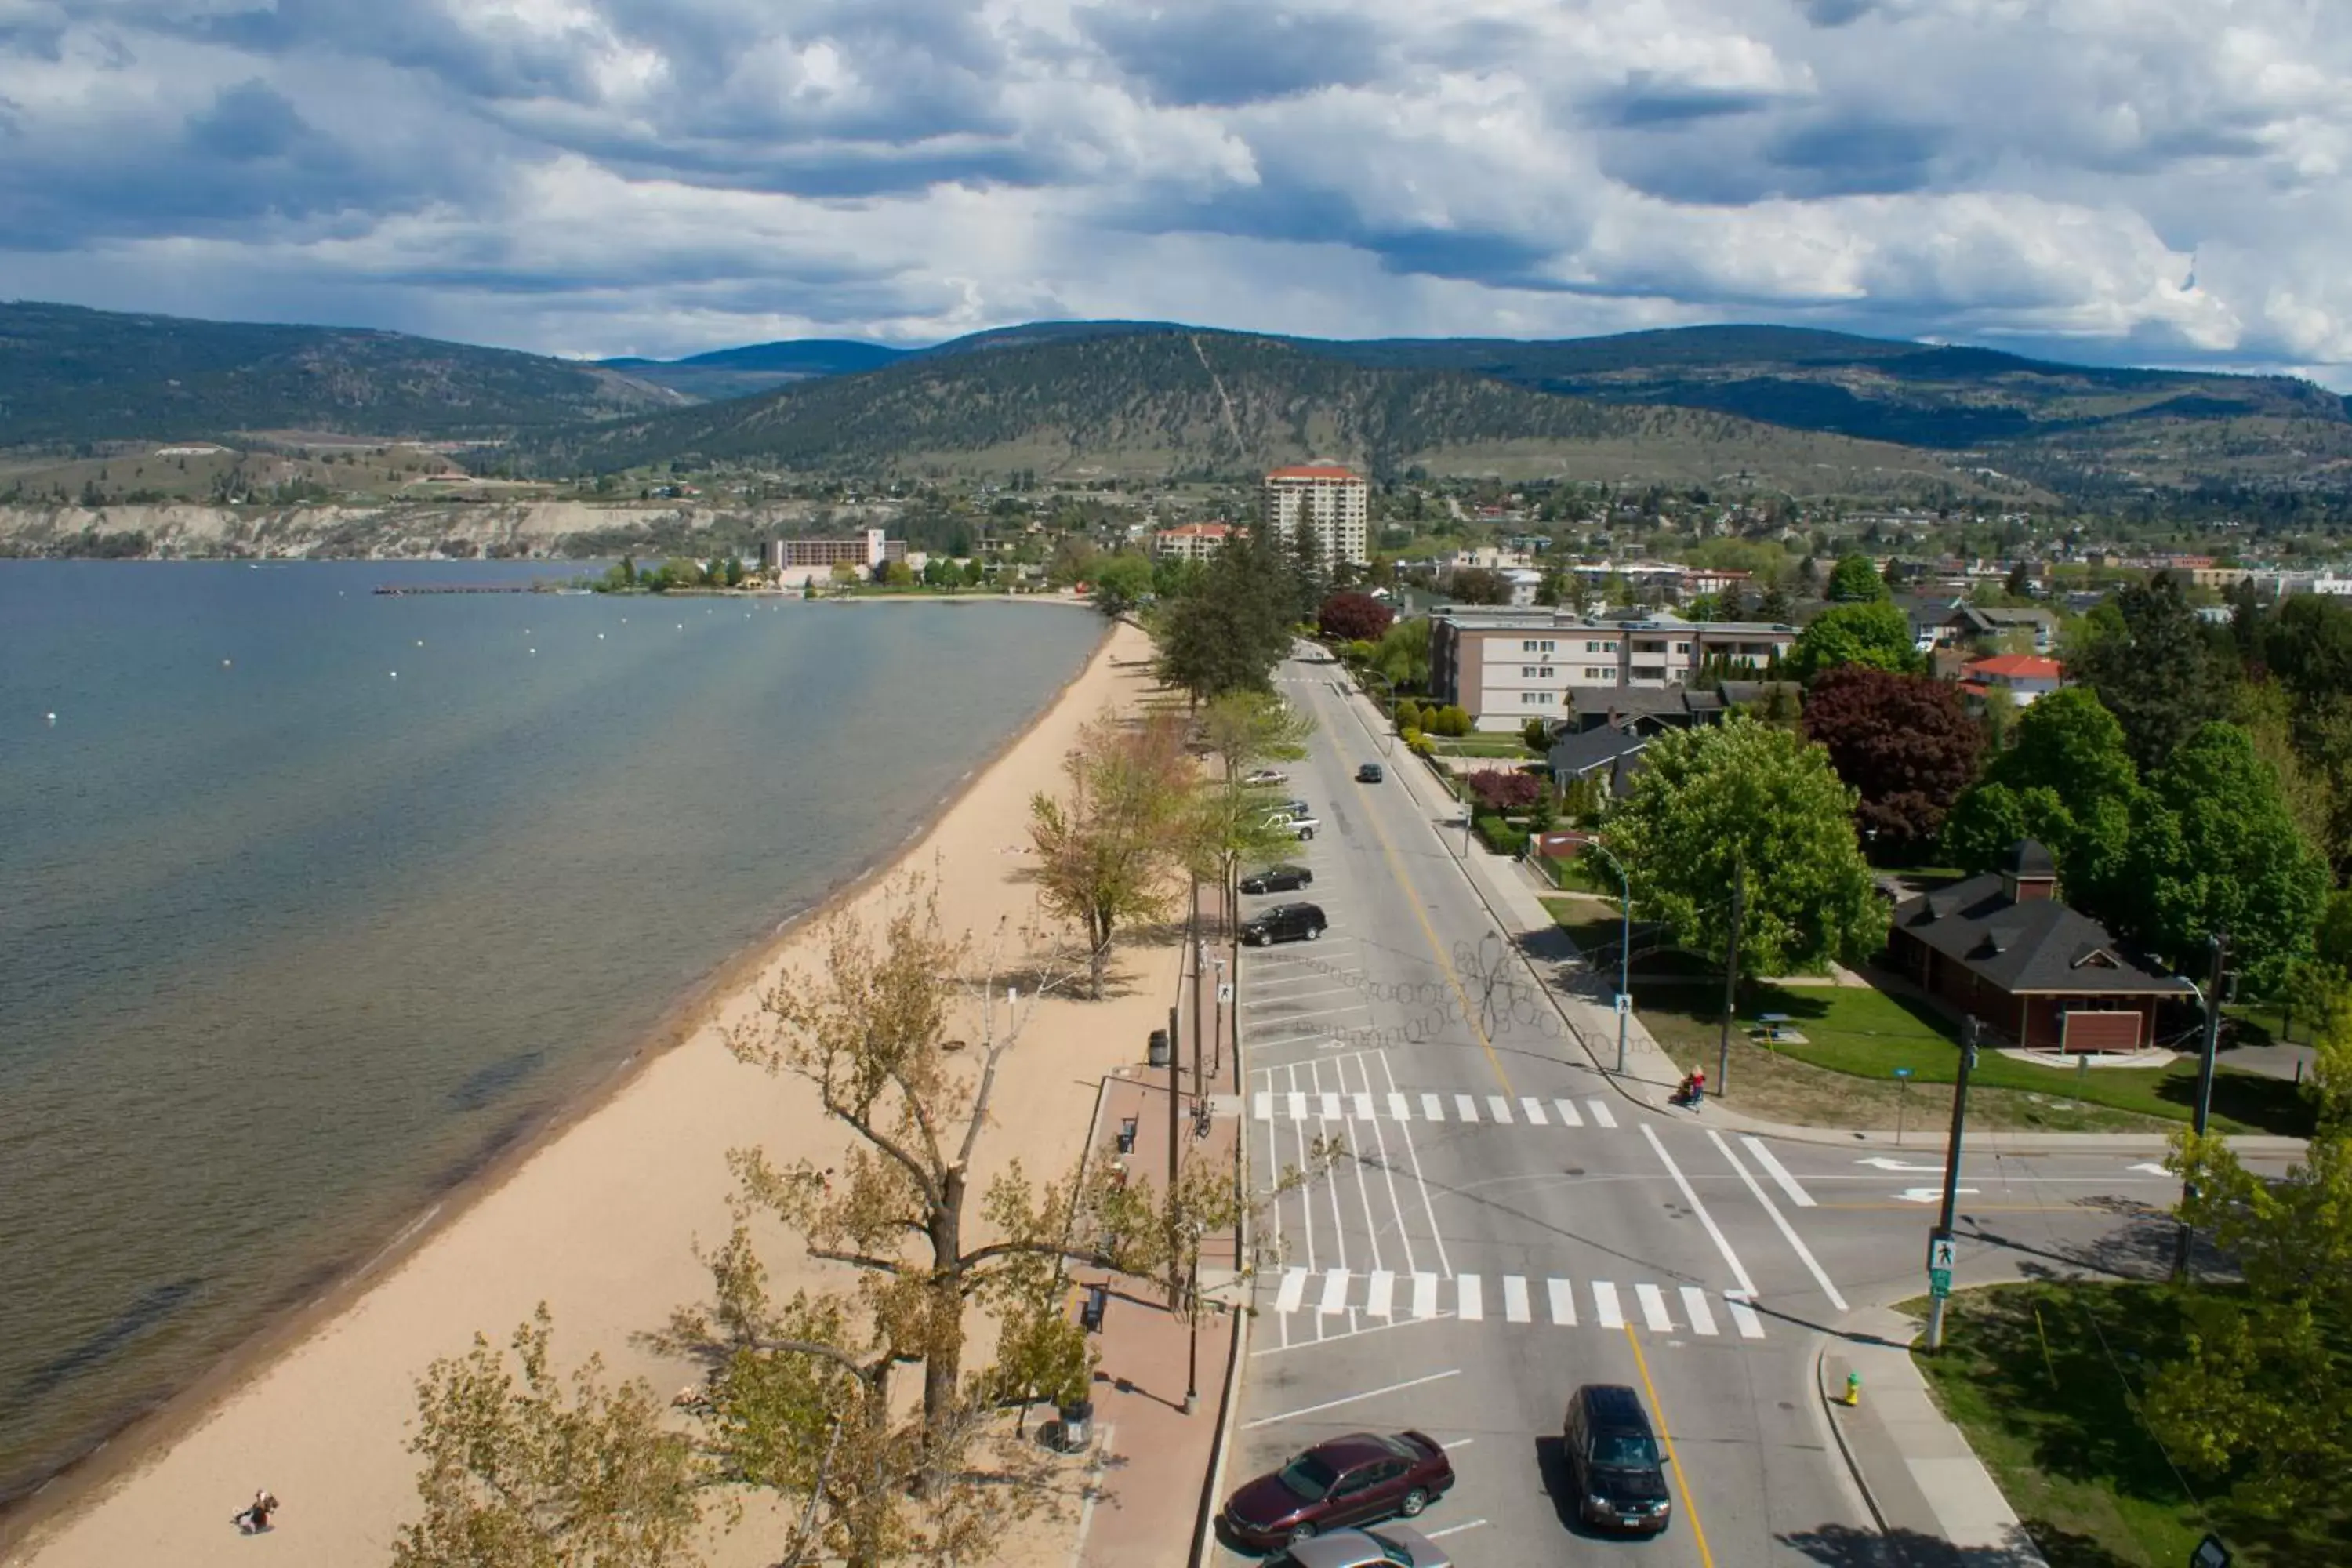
{"points": [[1624, 939], [2209, 996]]}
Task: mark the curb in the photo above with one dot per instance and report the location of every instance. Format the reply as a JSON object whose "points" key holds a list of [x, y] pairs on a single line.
{"points": [[1837, 1432], [1212, 1485]]}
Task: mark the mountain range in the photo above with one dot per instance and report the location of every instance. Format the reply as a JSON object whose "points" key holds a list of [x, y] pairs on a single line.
{"points": [[1805, 411]]}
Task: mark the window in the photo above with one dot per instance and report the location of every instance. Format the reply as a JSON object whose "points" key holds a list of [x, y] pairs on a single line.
{"points": [[1548, 645], [1681, 648], [1543, 672]]}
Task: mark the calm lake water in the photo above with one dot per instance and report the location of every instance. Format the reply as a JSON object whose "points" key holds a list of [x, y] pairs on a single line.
{"points": [[290, 941]]}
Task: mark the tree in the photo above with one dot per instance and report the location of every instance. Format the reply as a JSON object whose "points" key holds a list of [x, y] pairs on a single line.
{"points": [[1536, 734], [523, 1474], [1505, 789], [1741, 798], [1233, 628], [1354, 617], [899, 575], [1403, 655], [1477, 585], [1121, 583], [2262, 1398], [2215, 848], [1876, 634], [1774, 606], [1856, 581], [2066, 782], [2155, 670], [1105, 855], [1229, 824], [1904, 742]]}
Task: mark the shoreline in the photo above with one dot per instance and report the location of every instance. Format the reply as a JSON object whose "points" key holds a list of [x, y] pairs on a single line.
{"points": [[85, 1485]]}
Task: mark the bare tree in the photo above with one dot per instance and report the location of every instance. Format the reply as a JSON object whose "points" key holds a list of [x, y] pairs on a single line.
{"points": [[1107, 854]]}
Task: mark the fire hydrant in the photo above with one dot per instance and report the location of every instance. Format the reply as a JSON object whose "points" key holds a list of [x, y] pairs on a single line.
{"points": [[1854, 1388]]}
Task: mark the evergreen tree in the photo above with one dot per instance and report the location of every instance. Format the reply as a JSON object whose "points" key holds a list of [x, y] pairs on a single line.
{"points": [[2156, 672]]}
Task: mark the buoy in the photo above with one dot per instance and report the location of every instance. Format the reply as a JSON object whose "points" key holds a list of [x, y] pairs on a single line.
{"points": [[534, 651], [224, 664], [53, 718], [600, 637], [395, 675], [420, 642]]}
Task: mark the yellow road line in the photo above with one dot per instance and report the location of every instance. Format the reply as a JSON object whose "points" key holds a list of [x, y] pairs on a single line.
{"points": [[1682, 1481], [1437, 950]]}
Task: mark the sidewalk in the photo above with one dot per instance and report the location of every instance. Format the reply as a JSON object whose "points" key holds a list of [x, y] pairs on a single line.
{"points": [[1154, 1463], [1934, 1504], [1513, 896]]}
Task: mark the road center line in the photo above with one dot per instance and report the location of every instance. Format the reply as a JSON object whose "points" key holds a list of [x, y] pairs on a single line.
{"points": [[1681, 1479], [1698, 1208], [1779, 1219], [1352, 1399]]}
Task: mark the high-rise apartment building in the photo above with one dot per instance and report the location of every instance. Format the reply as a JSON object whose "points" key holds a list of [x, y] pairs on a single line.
{"points": [[1333, 503]]}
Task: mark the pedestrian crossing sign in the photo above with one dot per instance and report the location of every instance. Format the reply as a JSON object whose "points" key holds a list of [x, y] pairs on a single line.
{"points": [[1939, 1254]]}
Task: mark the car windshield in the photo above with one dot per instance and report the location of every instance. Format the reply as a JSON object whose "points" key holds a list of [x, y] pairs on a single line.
{"points": [[1308, 1476], [1622, 1452]]}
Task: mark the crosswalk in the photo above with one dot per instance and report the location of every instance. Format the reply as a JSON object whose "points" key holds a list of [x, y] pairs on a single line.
{"points": [[1499, 1109], [1381, 1294]]}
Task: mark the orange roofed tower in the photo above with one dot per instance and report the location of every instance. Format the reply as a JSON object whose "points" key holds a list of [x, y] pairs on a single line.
{"points": [[1331, 502]]}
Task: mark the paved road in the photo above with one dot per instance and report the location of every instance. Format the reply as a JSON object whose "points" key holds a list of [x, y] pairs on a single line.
{"points": [[1506, 1228]]}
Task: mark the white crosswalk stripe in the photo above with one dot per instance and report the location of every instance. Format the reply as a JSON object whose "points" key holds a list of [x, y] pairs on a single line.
{"points": [[1654, 1309], [1530, 1110], [1605, 1309], [1330, 1292]]}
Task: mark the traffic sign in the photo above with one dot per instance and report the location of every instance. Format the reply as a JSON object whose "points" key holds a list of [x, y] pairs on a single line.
{"points": [[1939, 1253], [2210, 1553], [1624, 1002], [1939, 1282], [1225, 993], [1902, 1072]]}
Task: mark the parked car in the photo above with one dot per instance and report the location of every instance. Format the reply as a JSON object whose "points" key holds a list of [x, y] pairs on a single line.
{"points": [[1353, 1480], [1278, 880], [1285, 922], [1370, 773], [1299, 808], [1613, 1460], [1298, 826], [1267, 776], [1389, 1546]]}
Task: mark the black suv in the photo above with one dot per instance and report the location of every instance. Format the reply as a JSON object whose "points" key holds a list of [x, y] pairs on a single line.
{"points": [[1278, 880], [1285, 922], [1613, 1460]]}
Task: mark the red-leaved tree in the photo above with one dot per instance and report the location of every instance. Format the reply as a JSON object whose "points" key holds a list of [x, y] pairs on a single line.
{"points": [[1354, 617], [1501, 790], [1905, 742]]}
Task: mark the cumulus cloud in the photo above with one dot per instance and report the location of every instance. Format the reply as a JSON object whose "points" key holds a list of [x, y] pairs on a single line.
{"points": [[2118, 179]]}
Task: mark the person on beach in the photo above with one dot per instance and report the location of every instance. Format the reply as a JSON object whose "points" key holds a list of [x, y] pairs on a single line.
{"points": [[255, 1518]]}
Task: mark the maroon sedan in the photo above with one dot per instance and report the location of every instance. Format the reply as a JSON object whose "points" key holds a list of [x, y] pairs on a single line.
{"points": [[1347, 1481]]}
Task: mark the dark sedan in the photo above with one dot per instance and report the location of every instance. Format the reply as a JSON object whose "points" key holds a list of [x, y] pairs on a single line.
{"points": [[1348, 1480], [1278, 880]]}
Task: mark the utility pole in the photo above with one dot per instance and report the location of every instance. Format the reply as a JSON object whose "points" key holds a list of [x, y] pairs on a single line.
{"points": [[2184, 1243], [1730, 977], [1199, 951], [1943, 1231]]}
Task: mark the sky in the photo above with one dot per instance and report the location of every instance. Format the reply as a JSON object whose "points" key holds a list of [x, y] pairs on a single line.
{"points": [[2110, 181]]}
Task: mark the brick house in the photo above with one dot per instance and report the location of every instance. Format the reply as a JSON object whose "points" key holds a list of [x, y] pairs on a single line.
{"points": [[2003, 948]]}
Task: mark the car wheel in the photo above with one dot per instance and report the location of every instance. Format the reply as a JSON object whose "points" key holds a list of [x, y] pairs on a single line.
{"points": [[1315, 933], [1305, 833], [1415, 1501]]}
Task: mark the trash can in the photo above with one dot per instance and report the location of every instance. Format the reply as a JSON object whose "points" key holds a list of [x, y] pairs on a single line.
{"points": [[1077, 1425], [1158, 1049]]}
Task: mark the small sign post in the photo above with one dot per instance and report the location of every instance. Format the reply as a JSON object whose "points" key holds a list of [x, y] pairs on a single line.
{"points": [[1902, 1103], [2210, 1553], [1624, 1002], [1939, 1263]]}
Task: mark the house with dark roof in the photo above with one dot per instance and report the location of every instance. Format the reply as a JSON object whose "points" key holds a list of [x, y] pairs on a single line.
{"points": [[1612, 753], [2003, 948], [1978, 624]]}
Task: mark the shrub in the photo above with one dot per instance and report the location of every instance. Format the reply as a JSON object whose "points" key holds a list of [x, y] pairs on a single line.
{"points": [[1354, 617], [1408, 715], [1499, 836], [1498, 790], [1536, 733], [1423, 746]]}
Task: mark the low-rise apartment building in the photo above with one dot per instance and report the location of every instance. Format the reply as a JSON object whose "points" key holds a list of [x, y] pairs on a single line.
{"points": [[1191, 541], [866, 551], [1505, 666]]}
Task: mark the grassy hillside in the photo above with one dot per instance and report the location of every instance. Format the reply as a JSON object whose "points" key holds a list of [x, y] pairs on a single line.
{"points": [[70, 376], [758, 367], [1163, 402]]}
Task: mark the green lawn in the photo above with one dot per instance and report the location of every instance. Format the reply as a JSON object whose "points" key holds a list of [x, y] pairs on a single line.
{"points": [[1862, 1035], [2046, 1379], [1484, 746]]}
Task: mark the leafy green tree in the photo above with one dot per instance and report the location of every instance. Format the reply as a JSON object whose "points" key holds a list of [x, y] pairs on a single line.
{"points": [[1741, 798], [1477, 585], [2155, 669], [1228, 825], [1856, 581], [1107, 853], [899, 575], [520, 1472], [1120, 583], [2261, 1401], [734, 571], [1403, 656], [2068, 781], [1876, 634], [2214, 847], [1229, 633]]}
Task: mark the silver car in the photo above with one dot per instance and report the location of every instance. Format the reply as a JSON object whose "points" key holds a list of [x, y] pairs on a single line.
{"points": [[1388, 1546]]}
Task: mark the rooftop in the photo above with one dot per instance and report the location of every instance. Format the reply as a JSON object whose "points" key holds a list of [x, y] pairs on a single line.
{"points": [[2016, 666], [1314, 471], [2036, 947]]}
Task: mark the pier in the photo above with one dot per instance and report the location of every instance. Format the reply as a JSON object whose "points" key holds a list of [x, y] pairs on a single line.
{"points": [[404, 589]]}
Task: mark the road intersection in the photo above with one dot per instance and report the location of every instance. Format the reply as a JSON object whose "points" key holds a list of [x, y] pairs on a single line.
{"points": [[1505, 1225]]}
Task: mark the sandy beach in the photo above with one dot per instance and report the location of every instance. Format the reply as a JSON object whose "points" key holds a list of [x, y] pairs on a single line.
{"points": [[600, 1223]]}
